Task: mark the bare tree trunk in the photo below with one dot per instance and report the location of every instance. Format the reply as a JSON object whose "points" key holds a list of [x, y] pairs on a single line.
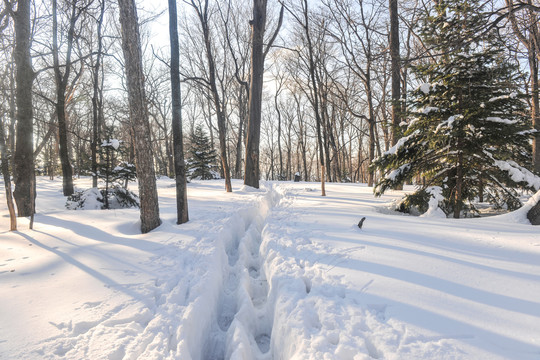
{"points": [[258, 53], [258, 24], [179, 163], [371, 122], [96, 104], [459, 185], [61, 85], [202, 13], [396, 73], [396, 70], [534, 50], [279, 133], [139, 115], [305, 25], [24, 77], [242, 116], [7, 179], [528, 34]]}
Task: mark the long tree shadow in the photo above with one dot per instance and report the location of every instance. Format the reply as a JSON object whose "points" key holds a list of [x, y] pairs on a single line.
{"points": [[92, 232], [87, 269], [504, 302], [487, 339]]}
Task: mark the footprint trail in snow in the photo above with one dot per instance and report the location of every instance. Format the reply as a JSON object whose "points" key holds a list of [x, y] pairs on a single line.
{"points": [[243, 326]]}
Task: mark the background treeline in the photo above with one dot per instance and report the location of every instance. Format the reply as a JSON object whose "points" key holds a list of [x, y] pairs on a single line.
{"points": [[336, 82]]}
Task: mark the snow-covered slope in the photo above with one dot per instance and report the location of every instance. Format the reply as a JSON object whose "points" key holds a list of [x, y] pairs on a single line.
{"points": [[276, 273]]}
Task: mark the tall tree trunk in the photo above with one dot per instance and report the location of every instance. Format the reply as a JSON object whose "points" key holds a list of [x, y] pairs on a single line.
{"points": [[179, 163], [61, 85], [459, 185], [396, 73], [371, 121], [316, 109], [242, 116], [139, 115], [396, 69], [96, 103], [535, 110], [258, 53], [258, 24], [279, 136], [24, 77], [7, 179], [202, 13], [171, 171], [530, 38]]}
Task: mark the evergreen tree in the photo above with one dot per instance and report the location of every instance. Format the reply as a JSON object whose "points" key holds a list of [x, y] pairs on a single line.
{"points": [[467, 129], [202, 156], [111, 174]]}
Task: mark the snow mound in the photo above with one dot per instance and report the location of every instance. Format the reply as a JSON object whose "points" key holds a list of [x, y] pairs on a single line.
{"points": [[520, 215], [436, 197]]}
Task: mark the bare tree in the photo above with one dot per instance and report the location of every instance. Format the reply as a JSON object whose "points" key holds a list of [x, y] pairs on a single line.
{"points": [[7, 111], [356, 30], [97, 96], [61, 87], [7, 178], [24, 77], [179, 163], [237, 38], [202, 11], [303, 20], [396, 70], [258, 54], [139, 115], [525, 27]]}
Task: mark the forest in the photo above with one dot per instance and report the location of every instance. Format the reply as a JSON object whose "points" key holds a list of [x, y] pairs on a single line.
{"points": [[442, 94], [257, 180]]}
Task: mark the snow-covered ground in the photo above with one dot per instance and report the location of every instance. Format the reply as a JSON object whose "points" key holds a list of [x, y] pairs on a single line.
{"points": [[276, 273]]}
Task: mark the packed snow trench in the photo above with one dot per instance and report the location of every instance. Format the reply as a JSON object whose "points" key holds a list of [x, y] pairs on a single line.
{"points": [[274, 273]]}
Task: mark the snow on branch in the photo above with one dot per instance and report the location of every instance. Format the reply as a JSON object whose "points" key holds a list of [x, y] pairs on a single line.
{"points": [[504, 97], [394, 149], [397, 172], [501, 120], [519, 174]]}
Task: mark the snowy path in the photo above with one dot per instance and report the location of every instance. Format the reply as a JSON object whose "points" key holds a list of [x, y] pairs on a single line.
{"points": [[243, 323], [276, 273]]}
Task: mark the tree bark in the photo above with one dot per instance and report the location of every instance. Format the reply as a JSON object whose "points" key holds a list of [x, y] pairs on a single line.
{"points": [[96, 103], [279, 134], [534, 50], [258, 53], [7, 179], [371, 122], [182, 215], [459, 185], [396, 70], [61, 85], [315, 94], [241, 120], [139, 116], [396, 73], [258, 24], [24, 77]]}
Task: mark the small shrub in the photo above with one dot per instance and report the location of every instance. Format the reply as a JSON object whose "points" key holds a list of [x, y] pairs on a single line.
{"points": [[93, 199]]}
